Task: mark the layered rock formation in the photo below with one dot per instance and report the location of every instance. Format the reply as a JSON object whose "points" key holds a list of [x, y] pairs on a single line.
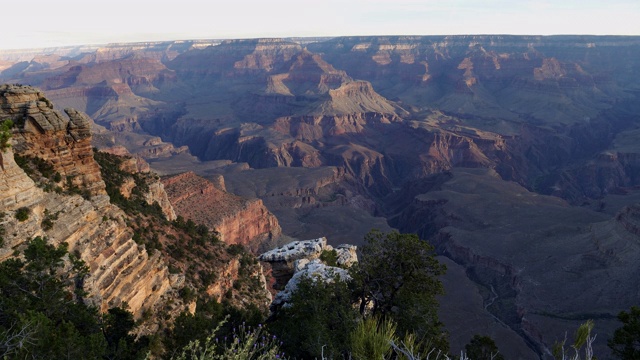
{"points": [[124, 265], [120, 270], [490, 76], [44, 133], [237, 220], [154, 193]]}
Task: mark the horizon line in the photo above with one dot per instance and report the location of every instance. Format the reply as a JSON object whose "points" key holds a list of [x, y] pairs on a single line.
{"points": [[327, 37]]}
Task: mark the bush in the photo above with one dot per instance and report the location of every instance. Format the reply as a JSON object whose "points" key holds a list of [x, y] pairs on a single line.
{"points": [[329, 257], [483, 348], [5, 134], [246, 343], [397, 277], [625, 343], [236, 249], [48, 220], [22, 214], [323, 316], [187, 294]]}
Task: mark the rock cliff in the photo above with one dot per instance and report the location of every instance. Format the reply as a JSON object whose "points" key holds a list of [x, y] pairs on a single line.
{"points": [[237, 220], [64, 142], [135, 169], [120, 270], [120, 244]]}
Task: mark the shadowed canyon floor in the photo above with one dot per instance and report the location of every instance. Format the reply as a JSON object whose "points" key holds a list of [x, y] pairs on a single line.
{"points": [[517, 156]]}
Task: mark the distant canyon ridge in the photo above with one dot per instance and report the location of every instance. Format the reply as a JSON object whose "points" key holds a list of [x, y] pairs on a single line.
{"points": [[518, 157]]}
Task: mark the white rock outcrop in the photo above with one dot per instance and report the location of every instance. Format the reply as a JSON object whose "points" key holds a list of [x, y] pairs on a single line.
{"points": [[296, 260], [306, 249], [347, 254], [317, 271]]}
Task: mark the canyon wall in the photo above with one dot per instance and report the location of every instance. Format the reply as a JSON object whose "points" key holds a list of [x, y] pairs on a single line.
{"points": [[123, 266], [120, 270], [458, 138], [237, 220], [46, 134]]}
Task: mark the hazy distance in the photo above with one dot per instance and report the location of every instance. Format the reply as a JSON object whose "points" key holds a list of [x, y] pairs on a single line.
{"points": [[72, 22]]}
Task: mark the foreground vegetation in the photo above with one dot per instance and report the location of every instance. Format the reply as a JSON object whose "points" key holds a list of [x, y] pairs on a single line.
{"points": [[43, 316]]}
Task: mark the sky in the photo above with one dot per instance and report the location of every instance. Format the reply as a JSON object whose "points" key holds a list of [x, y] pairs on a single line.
{"points": [[50, 23]]}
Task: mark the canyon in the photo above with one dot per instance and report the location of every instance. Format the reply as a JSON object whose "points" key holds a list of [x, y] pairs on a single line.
{"points": [[50, 175], [516, 156]]}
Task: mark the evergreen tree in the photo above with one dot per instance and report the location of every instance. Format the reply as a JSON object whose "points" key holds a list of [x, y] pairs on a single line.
{"points": [[625, 343], [317, 320], [482, 348], [397, 277], [42, 318]]}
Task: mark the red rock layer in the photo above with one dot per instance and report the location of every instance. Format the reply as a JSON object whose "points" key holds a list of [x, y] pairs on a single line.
{"points": [[237, 220], [43, 132]]}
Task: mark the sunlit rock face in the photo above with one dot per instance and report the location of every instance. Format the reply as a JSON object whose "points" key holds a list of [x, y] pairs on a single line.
{"points": [[237, 220], [119, 269]]}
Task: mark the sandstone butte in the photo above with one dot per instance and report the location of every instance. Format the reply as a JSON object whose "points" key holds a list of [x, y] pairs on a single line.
{"points": [[120, 269], [237, 220]]}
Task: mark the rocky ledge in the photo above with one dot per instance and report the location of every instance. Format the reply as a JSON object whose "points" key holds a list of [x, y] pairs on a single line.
{"points": [[64, 142], [290, 259], [302, 259], [314, 269]]}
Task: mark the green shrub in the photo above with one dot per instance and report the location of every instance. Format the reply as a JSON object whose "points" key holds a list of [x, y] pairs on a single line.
{"points": [[22, 214], [322, 332], [236, 249], [5, 134], [483, 348], [188, 294], [47, 221], [329, 257], [245, 343], [625, 343]]}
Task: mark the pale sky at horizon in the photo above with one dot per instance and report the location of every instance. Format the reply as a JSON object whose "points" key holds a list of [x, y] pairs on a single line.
{"points": [[42, 23]]}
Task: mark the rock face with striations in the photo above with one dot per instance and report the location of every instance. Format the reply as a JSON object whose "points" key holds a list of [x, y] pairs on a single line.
{"points": [[237, 220], [46, 134], [119, 269]]}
